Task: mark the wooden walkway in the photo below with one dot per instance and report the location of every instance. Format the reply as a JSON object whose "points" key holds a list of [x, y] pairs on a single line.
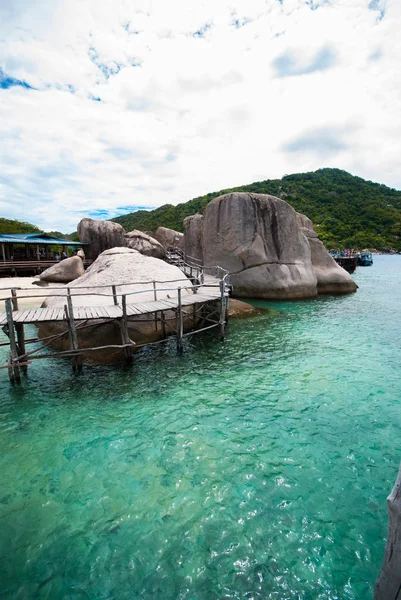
{"points": [[42, 315], [207, 295]]}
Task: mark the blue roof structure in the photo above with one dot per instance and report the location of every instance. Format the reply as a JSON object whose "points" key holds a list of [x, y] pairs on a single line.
{"points": [[36, 238]]}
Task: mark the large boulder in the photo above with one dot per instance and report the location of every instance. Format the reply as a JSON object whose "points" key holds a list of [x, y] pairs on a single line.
{"points": [[331, 278], [129, 271], [65, 271], [193, 227], [100, 235], [258, 239], [143, 243], [169, 238]]}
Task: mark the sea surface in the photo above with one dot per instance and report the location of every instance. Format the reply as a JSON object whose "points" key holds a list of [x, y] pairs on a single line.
{"points": [[255, 468]]}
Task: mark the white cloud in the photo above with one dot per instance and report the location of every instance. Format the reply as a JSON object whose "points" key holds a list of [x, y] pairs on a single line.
{"points": [[194, 97]]}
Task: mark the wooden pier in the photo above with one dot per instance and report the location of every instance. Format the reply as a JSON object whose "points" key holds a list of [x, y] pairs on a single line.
{"points": [[202, 300]]}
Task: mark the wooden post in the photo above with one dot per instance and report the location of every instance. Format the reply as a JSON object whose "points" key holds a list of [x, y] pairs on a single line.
{"points": [[3, 252], [19, 328], [13, 372], [124, 328], [155, 298], [163, 321], [222, 320], [69, 310], [180, 324], [114, 290]]}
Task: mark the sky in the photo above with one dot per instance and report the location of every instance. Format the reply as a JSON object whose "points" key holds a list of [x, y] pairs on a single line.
{"points": [[108, 106]]}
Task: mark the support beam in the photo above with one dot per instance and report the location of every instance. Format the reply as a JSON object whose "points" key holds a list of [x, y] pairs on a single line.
{"points": [[180, 323], [19, 329], [222, 320], [13, 372]]}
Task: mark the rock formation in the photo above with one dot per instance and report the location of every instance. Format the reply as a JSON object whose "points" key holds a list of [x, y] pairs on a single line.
{"points": [[270, 250], [169, 238], [130, 271], [65, 271], [143, 243], [100, 235], [193, 237], [331, 278], [257, 238], [388, 583]]}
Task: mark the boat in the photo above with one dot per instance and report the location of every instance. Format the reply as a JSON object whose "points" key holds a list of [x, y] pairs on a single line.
{"points": [[365, 259], [346, 261]]}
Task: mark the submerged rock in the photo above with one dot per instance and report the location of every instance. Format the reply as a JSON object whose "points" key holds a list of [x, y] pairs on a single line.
{"points": [[65, 271]]}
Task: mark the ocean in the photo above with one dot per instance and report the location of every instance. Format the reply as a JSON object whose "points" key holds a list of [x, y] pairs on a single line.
{"points": [[257, 467]]}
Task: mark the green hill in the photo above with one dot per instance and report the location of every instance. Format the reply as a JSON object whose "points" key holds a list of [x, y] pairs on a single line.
{"points": [[347, 211], [14, 226]]}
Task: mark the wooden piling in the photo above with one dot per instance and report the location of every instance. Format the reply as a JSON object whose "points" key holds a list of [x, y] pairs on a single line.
{"points": [[13, 372], [180, 323], [69, 310], [19, 329], [222, 320], [124, 329]]}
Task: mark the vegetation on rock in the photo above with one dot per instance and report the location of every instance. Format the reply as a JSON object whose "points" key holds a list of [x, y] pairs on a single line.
{"points": [[346, 211]]}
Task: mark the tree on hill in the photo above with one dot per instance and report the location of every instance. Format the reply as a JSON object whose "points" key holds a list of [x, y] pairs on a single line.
{"points": [[347, 211], [14, 226]]}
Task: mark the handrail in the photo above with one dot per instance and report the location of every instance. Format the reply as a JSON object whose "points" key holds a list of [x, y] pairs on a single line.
{"points": [[69, 292]]}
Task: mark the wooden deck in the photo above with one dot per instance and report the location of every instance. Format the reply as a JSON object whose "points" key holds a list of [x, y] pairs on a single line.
{"points": [[36, 315], [166, 303]]}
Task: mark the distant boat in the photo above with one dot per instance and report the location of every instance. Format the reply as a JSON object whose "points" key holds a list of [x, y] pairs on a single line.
{"points": [[365, 259], [346, 262]]}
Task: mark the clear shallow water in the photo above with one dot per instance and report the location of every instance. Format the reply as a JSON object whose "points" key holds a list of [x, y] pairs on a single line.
{"points": [[257, 468]]}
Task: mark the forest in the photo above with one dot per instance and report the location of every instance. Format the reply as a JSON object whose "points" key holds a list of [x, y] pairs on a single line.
{"points": [[347, 211]]}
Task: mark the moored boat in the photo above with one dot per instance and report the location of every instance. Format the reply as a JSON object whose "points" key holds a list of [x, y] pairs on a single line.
{"points": [[365, 259]]}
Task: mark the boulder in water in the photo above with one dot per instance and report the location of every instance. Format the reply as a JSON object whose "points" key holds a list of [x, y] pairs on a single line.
{"points": [[257, 238], [331, 278]]}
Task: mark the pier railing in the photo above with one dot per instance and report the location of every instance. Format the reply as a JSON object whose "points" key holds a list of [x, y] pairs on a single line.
{"points": [[187, 300]]}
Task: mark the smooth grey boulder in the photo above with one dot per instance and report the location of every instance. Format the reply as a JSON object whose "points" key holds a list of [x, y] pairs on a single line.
{"points": [[331, 278], [100, 235], [129, 271], [143, 243], [258, 239], [193, 237], [65, 271], [169, 238]]}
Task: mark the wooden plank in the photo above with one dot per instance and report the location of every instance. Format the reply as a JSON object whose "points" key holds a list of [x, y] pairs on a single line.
{"points": [[132, 309]]}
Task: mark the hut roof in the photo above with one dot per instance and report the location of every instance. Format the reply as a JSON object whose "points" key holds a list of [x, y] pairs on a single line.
{"points": [[36, 238]]}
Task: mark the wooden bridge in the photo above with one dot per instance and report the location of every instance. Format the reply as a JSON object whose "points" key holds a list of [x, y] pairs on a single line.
{"points": [[202, 298]]}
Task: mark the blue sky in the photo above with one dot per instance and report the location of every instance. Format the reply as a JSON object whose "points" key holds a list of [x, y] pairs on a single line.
{"points": [[108, 107]]}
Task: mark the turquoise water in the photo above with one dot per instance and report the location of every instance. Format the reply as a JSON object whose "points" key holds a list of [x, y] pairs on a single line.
{"points": [[254, 468]]}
